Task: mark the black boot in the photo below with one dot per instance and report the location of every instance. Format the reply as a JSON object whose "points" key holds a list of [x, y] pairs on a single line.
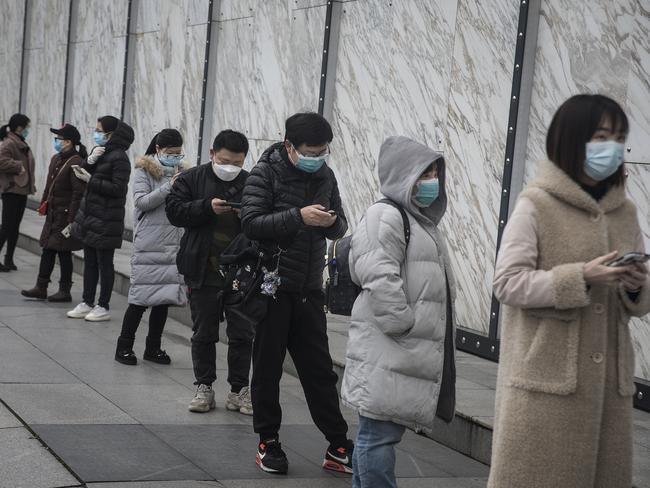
{"points": [[124, 352], [9, 263], [63, 295], [153, 352], [39, 292]]}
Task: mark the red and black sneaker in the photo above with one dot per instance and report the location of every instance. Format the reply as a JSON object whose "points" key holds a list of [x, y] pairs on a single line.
{"points": [[339, 459], [271, 458]]}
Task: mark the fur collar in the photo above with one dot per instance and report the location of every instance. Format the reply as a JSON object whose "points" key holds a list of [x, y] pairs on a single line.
{"points": [[556, 182], [154, 168]]}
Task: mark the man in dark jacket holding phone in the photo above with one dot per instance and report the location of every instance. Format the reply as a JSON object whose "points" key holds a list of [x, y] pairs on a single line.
{"points": [[199, 203], [291, 202]]}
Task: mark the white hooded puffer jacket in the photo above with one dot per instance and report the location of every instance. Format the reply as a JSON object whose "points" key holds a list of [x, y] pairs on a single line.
{"points": [[397, 334]]}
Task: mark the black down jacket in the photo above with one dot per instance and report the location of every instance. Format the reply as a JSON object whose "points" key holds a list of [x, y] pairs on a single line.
{"points": [[100, 220], [273, 196], [189, 205]]}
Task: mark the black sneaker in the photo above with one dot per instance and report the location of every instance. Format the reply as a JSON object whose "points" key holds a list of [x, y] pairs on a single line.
{"points": [[271, 458], [339, 459], [126, 356], [158, 356]]}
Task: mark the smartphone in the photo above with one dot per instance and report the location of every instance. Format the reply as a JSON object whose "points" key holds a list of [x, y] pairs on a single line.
{"points": [[331, 212], [629, 258], [232, 204]]}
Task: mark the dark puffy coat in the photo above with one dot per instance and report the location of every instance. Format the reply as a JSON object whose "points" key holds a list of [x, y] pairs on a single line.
{"points": [[189, 205], [63, 192], [100, 219], [274, 194]]}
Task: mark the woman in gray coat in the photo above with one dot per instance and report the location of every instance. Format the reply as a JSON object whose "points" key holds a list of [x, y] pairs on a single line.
{"points": [[155, 281], [400, 360]]}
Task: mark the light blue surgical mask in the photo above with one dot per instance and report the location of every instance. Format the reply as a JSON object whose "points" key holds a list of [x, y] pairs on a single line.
{"points": [[427, 191], [311, 164], [603, 159], [25, 133], [58, 146], [100, 138], [170, 160]]}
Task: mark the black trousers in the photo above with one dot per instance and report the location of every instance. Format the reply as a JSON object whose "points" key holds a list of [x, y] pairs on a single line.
{"points": [[297, 323], [205, 319], [98, 268], [131, 322], [48, 260], [13, 209]]}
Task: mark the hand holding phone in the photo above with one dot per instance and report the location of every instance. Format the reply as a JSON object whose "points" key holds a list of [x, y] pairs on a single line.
{"points": [[628, 259], [233, 204]]}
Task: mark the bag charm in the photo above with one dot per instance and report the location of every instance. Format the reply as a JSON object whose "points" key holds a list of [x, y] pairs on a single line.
{"points": [[272, 279]]}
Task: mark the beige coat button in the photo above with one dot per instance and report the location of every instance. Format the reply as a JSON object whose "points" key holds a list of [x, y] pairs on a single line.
{"points": [[596, 217], [597, 357], [599, 308]]}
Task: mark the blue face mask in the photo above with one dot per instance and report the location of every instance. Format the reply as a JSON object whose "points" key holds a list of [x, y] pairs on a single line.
{"points": [[311, 164], [100, 138], [428, 191], [603, 159], [58, 146], [25, 133], [170, 160]]}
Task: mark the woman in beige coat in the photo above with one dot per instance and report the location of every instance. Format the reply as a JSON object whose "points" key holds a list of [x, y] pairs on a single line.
{"points": [[565, 386]]}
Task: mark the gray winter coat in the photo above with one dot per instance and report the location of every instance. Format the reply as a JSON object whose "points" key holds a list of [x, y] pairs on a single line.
{"points": [[396, 345], [155, 280]]}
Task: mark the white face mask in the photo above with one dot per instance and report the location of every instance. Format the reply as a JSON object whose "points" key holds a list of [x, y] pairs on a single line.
{"points": [[226, 172]]}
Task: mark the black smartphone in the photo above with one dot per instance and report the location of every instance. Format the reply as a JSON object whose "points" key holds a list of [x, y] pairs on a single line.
{"points": [[232, 204], [629, 258], [331, 212]]}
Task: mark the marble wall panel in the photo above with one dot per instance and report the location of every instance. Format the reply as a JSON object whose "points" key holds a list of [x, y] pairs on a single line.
{"points": [[268, 67], [12, 17], [167, 74], [96, 66], [475, 139], [45, 59]]}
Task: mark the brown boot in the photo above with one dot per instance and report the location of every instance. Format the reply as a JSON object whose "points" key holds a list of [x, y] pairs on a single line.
{"points": [[39, 292], [63, 295]]}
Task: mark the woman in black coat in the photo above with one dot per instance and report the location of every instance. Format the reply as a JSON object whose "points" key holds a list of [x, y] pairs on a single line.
{"points": [[59, 204], [99, 224]]}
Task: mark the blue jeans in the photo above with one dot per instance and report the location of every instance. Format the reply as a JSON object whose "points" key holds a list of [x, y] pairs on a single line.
{"points": [[374, 453]]}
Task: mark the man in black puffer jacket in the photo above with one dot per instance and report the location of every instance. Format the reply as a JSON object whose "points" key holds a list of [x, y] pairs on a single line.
{"points": [[99, 223], [291, 201]]}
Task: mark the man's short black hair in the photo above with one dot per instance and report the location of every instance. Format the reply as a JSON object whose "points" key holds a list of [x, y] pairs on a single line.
{"points": [[308, 128], [574, 124], [232, 141]]}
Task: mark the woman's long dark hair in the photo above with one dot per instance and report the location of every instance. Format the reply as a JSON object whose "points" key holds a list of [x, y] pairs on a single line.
{"points": [[164, 138], [16, 120], [108, 123]]}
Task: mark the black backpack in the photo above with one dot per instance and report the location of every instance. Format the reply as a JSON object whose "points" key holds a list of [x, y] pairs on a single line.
{"points": [[340, 289]]}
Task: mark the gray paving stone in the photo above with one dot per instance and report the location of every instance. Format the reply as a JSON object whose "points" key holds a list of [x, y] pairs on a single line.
{"points": [[641, 467], [25, 463], [61, 404], [118, 453], [8, 419], [158, 484], [442, 483], [287, 483]]}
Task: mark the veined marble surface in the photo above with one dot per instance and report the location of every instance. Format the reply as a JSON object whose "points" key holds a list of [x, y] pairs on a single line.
{"points": [[268, 66], [95, 71], [168, 76], [439, 72], [45, 59], [12, 14]]}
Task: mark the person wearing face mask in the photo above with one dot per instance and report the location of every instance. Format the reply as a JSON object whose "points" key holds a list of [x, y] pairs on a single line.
{"points": [[565, 381], [199, 202], [400, 370], [16, 182], [59, 204], [291, 204], [99, 223], [155, 280]]}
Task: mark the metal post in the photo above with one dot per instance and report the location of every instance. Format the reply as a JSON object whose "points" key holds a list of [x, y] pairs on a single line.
{"points": [[127, 58], [23, 74], [74, 7], [204, 93]]}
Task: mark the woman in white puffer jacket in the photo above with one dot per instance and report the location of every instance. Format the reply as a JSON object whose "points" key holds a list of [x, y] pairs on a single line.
{"points": [[400, 368]]}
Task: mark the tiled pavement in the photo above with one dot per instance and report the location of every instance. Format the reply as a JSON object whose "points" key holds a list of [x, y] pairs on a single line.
{"points": [[72, 416]]}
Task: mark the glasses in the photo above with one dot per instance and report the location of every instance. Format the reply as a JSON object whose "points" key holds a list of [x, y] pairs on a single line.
{"points": [[324, 152]]}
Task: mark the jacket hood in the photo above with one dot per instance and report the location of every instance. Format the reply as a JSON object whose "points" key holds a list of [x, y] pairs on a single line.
{"points": [[556, 182], [122, 137], [154, 168], [401, 162]]}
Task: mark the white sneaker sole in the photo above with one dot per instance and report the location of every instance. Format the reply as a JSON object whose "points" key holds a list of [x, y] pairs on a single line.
{"points": [[101, 318], [202, 408], [77, 315]]}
